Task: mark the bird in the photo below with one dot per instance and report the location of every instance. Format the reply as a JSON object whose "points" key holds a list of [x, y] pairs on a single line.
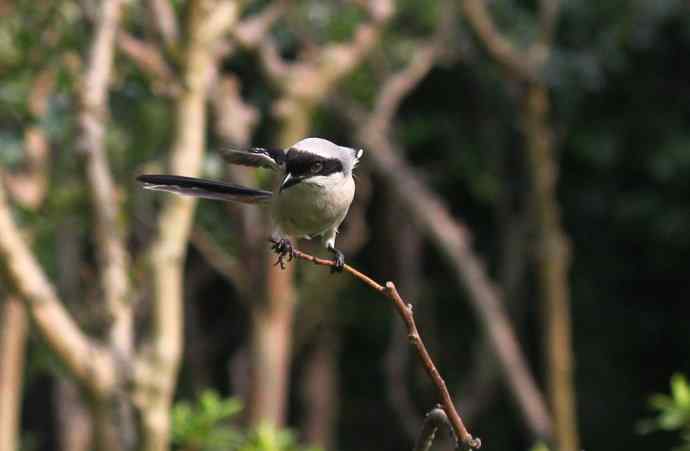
{"points": [[312, 200]]}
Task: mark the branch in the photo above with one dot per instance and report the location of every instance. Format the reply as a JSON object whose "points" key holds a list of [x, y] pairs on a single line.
{"points": [[498, 46], [151, 61], [251, 31], [13, 335], [273, 64], [163, 16], [433, 420], [90, 362], [400, 84], [311, 77], [405, 311], [220, 261], [113, 258]]}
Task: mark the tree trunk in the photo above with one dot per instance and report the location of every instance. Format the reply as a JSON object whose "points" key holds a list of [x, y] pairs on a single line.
{"points": [[157, 371], [74, 421], [13, 332], [320, 392], [271, 338], [553, 267]]}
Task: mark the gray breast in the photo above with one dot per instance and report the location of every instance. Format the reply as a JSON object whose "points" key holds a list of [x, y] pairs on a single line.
{"points": [[310, 209]]}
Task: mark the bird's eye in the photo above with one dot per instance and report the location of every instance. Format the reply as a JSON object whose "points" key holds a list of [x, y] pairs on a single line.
{"points": [[316, 167]]}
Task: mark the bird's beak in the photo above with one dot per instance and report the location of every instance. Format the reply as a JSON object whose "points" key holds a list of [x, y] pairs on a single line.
{"points": [[289, 181]]}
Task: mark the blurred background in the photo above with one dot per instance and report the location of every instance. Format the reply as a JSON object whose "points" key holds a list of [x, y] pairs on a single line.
{"points": [[525, 184]]}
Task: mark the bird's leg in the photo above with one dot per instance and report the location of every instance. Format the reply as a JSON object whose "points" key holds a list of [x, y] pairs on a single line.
{"points": [[339, 260], [282, 247]]}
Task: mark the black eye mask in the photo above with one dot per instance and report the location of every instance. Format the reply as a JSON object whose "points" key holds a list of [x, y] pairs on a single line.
{"points": [[299, 164]]}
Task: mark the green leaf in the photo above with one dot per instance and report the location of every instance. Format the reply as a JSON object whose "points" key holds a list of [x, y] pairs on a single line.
{"points": [[680, 390]]}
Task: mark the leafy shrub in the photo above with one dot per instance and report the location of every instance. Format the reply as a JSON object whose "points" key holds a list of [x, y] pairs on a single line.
{"points": [[206, 426], [673, 411]]}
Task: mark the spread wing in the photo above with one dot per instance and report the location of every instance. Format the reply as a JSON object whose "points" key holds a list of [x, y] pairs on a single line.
{"points": [[256, 156], [207, 189]]}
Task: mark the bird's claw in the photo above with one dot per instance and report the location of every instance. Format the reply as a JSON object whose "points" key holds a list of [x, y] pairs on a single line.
{"points": [[282, 247], [339, 261]]}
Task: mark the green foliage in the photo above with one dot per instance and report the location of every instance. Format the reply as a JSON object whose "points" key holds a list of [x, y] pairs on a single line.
{"points": [[540, 446], [267, 438], [673, 411], [205, 426]]}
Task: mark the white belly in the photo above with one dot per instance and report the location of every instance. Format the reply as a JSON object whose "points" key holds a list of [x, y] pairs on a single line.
{"points": [[310, 209]]}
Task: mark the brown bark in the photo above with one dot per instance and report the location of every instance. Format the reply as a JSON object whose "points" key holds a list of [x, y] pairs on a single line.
{"points": [[553, 263], [13, 334]]}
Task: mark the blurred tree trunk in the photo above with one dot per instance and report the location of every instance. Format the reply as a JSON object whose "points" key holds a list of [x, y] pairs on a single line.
{"points": [[527, 67], [112, 411], [553, 263], [73, 418], [303, 85], [13, 334], [27, 188], [271, 337], [320, 392], [157, 370]]}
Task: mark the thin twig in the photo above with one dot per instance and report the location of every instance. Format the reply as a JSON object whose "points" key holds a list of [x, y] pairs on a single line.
{"points": [[405, 311]]}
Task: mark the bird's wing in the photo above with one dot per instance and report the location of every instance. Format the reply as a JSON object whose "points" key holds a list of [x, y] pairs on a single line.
{"points": [[207, 189], [256, 156]]}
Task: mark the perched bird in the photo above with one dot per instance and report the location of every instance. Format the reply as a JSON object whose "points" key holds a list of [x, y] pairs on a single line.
{"points": [[313, 199]]}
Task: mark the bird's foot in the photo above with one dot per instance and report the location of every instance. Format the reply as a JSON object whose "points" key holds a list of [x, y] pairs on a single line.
{"points": [[282, 247], [339, 260]]}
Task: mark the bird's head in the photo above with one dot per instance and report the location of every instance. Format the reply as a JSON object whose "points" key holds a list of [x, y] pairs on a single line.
{"points": [[320, 162]]}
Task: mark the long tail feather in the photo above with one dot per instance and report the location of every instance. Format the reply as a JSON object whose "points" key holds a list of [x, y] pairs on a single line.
{"points": [[207, 189]]}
